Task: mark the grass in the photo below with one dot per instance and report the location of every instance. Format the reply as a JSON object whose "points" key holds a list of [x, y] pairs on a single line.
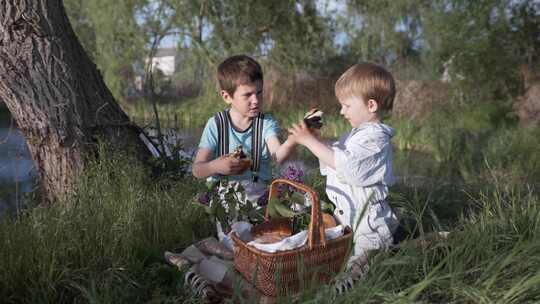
{"points": [[191, 113], [473, 174], [103, 246], [460, 141]]}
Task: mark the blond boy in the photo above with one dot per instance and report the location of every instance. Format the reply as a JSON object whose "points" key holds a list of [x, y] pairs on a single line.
{"points": [[358, 167]]}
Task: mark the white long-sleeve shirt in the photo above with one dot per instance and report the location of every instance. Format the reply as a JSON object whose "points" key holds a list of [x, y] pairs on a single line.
{"points": [[358, 186]]}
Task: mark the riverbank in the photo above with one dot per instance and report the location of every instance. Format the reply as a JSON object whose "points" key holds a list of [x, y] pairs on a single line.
{"points": [[469, 175], [106, 243]]}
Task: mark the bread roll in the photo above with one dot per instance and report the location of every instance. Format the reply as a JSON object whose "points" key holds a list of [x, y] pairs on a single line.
{"points": [[313, 118], [328, 221]]}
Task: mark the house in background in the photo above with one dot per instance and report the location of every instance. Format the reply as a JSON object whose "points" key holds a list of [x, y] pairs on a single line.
{"points": [[166, 63], [166, 60]]}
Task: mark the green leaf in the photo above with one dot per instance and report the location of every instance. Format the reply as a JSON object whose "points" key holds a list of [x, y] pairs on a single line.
{"points": [[283, 210], [256, 215], [297, 198], [220, 213], [327, 207], [211, 184], [271, 207]]}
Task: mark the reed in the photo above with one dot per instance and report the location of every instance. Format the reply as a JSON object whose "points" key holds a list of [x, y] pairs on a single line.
{"points": [[474, 177], [104, 244]]}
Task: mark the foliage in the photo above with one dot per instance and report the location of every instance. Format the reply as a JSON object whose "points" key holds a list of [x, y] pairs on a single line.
{"points": [[295, 206], [111, 36], [105, 243], [226, 202], [484, 43], [385, 31], [279, 30], [479, 44]]}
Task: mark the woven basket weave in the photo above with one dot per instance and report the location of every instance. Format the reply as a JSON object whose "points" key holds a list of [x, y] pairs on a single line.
{"points": [[287, 272]]}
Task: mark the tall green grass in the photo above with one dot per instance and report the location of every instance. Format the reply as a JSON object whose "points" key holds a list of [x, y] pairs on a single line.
{"points": [[190, 114], [491, 256], [474, 173], [103, 245], [458, 141]]}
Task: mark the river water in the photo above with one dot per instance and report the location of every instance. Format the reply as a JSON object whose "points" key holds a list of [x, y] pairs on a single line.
{"points": [[18, 174], [17, 171]]}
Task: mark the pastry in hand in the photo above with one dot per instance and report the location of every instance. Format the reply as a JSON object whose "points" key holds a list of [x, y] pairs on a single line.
{"points": [[238, 153], [313, 118]]}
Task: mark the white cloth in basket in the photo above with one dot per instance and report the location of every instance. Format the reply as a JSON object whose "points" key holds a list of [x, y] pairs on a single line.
{"points": [[296, 240]]}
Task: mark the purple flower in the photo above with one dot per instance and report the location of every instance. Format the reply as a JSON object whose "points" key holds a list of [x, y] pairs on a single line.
{"points": [[204, 198], [293, 171], [263, 199], [280, 190]]}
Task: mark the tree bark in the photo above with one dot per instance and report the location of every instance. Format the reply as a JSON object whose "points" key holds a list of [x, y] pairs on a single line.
{"points": [[56, 94]]}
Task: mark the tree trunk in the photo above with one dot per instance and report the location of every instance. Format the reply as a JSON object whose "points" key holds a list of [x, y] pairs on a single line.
{"points": [[56, 94]]}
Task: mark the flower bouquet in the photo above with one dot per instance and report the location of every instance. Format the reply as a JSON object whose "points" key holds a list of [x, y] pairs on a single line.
{"points": [[294, 204], [227, 202]]}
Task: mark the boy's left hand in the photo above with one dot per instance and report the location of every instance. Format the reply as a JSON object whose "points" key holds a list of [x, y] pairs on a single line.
{"points": [[300, 133]]}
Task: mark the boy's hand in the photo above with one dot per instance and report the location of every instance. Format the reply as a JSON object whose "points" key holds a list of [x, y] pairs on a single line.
{"points": [[300, 133], [305, 136], [316, 133], [226, 165]]}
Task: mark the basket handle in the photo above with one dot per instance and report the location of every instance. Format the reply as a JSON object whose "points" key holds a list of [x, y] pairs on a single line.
{"points": [[316, 229]]}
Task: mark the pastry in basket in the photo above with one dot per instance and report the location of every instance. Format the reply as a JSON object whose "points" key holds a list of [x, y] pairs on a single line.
{"points": [[238, 153], [313, 118], [270, 237], [272, 231], [328, 221]]}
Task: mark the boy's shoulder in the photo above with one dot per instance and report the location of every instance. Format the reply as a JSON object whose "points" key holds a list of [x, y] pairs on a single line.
{"points": [[269, 117], [373, 131]]}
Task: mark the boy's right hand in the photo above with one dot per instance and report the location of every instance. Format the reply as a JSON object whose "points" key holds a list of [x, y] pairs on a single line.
{"points": [[226, 165], [316, 133], [299, 133]]}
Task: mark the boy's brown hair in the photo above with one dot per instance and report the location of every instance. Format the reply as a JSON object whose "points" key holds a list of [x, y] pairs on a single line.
{"points": [[369, 81], [238, 70]]}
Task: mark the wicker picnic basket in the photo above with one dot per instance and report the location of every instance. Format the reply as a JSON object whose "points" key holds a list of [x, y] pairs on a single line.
{"points": [[287, 272]]}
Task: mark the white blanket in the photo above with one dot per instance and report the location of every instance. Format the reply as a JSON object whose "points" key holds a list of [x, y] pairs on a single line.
{"points": [[296, 240]]}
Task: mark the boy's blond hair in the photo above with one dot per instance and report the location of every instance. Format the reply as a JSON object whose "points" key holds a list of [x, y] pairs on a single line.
{"points": [[368, 81], [238, 70]]}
